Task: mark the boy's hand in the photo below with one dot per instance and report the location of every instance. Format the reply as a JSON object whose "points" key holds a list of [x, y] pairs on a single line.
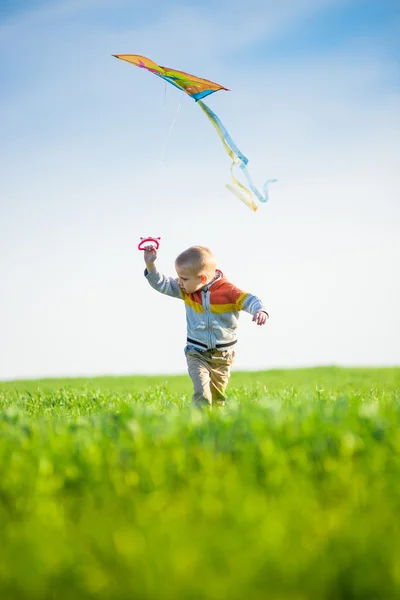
{"points": [[260, 318], [150, 257]]}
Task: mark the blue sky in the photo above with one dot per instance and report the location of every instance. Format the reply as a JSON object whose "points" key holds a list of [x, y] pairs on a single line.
{"points": [[314, 102]]}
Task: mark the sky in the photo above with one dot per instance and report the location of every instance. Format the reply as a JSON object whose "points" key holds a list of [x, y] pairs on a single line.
{"points": [[96, 153]]}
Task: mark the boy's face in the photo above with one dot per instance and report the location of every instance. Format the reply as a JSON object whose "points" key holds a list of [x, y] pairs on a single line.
{"points": [[189, 282]]}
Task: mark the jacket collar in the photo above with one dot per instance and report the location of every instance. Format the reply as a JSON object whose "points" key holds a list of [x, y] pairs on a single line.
{"points": [[219, 276]]}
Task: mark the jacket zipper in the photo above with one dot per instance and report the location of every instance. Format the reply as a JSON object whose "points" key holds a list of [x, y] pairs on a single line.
{"points": [[206, 304]]}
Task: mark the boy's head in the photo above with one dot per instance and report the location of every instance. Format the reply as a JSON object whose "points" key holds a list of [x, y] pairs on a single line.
{"points": [[195, 268]]}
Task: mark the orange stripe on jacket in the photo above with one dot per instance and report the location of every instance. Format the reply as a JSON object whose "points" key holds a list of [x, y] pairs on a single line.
{"points": [[230, 307], [227, 298], [224, 298]]}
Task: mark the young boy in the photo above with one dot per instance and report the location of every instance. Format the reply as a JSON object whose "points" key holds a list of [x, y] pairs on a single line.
{"points": [[212, 311]]}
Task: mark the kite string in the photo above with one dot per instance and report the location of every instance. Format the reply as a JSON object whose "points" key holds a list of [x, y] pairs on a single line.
{"points": [[164, 143]]}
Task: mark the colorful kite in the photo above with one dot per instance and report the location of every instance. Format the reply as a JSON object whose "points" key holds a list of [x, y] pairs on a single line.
{"points": [[198, 89]]}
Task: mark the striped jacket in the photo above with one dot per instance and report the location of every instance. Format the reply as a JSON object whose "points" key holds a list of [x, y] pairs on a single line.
{"points": [[212, 313]]}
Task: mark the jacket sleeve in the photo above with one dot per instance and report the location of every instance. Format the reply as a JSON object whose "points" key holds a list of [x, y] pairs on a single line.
{"points": [[247, 302], [163, 284]]}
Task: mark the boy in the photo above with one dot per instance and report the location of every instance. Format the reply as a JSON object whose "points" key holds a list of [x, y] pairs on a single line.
{"points": [[212, 311]]}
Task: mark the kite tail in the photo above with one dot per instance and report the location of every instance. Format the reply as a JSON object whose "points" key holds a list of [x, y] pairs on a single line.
{"points": [[239, 190], [262, 197]]}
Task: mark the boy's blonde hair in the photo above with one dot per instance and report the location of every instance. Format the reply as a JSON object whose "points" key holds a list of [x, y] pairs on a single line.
{"points": [[198, 259]]}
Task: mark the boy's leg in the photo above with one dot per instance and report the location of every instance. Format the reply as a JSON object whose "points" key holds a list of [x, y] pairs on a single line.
{"points": [[198, 369], [220, 370]]}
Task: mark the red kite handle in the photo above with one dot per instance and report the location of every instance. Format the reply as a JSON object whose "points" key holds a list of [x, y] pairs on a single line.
{"points": [[149, 239]]}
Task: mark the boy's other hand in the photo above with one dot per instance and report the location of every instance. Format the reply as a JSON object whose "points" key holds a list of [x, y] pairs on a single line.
{"points": [[260, 318], [150, 257]]}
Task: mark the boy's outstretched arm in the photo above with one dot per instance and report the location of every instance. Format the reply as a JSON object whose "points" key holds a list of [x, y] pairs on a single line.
{"points": [[158, 281], [251, 304]]}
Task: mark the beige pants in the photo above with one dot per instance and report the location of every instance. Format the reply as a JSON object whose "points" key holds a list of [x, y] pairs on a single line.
{"points": [[209, 372]]}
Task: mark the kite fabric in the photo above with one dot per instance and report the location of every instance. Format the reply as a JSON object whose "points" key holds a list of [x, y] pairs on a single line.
{"points": [[198, 88]]}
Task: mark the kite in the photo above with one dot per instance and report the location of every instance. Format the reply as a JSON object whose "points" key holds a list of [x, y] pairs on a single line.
{"points": [[198, 88]]}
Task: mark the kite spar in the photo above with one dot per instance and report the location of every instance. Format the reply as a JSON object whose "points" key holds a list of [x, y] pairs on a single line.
{"points": [[198, 88]]}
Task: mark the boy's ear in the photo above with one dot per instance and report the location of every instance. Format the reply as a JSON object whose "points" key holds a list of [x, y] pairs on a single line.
{"points": [[203, 278]]}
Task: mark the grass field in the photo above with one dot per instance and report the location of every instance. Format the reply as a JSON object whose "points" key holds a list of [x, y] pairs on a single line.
{"points": [[114, 488]]}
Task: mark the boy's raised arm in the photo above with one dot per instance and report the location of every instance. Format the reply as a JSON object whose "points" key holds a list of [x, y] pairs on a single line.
{"points": [[158, 281], [150, 257]]}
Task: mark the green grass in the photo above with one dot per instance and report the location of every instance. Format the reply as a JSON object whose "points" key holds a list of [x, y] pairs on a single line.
{"points": [[115, 488]]}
